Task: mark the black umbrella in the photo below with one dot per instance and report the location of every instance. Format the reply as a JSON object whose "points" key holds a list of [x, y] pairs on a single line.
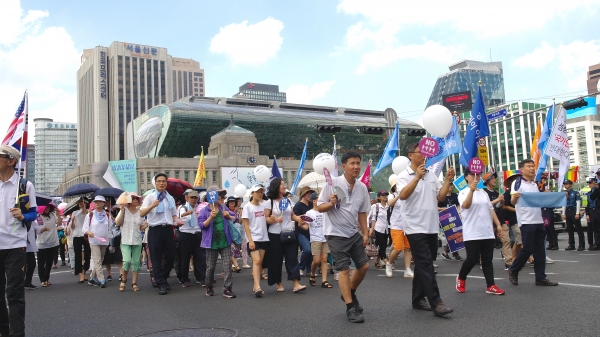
{"points": [[108, 192], [81, 189], [71, 207], [42, 199]]}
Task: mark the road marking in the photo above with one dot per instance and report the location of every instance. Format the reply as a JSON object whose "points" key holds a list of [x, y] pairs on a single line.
{"points": [[546, 273], [579, 285], [563, 261], [589, 254]]}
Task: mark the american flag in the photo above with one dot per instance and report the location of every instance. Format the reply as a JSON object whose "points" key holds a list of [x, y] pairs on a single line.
{"points": [[17, 131]]}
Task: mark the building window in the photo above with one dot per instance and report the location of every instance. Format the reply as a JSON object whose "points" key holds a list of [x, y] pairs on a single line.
{"points": [[176, 174], [149, 176], [596, 127], [141, 177], [597, 135], [214, 176]]}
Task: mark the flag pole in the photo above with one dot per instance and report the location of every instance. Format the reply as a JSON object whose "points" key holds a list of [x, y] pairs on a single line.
{"points": [[19, 181]]}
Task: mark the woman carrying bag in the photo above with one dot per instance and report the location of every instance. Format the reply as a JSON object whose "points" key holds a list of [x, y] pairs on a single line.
{"points": [[47, 241], [131, 224]]}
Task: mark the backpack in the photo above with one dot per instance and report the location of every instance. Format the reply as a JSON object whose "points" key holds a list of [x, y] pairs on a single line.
{"points": [[389, 213], [24, 204]]}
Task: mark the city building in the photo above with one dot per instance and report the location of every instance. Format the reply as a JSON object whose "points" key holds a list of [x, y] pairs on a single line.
{"points": [[55, 153], [31, 163], [118, 83], [261, 92], [583, 129], [593, 79], [464, 76]]}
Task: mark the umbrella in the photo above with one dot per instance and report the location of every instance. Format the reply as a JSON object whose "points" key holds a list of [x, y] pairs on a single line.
{"points": [[71, 207], [81, 189], [108, 192], [312, 180], [124, 198], [176, 187], [42, 199], [148, 192]]}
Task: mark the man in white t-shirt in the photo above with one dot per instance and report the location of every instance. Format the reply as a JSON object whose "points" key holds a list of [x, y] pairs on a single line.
{"points": [[532, 228], [345, 227], [420, 191]]}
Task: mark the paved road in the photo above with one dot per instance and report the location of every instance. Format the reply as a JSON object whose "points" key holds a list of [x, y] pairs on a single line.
{"points": [[70, 309]]}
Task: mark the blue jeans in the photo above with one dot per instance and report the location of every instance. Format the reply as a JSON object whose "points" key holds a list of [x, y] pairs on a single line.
{"points": [[306, 257], [534, 236]]}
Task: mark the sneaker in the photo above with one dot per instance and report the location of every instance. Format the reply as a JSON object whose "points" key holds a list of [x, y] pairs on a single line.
{"points": [[446, 256], [103, 284], [458, 258], [93, 282], [435, 265], [408, 273], [301, 272], [388, 270], [335, 276], [580, 248], [441, 309], [162, 290], [494, 290], [185, 284], [549, 260], [570, 247], [506, 266], [210, 291], [354, 316], [513, 278], [201, 283], [354, 302], [227, 293], [109, 278], [545, 282], [246, 266], [460, 285], [30, 286]]}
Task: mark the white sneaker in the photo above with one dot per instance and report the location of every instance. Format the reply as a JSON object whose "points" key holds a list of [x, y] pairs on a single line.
{"points": [[301, 273], [388, 270], [549, 260], [408, 273], [335, 276]]}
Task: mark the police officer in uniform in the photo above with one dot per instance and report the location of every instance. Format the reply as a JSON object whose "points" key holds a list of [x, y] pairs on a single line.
{"points": [[571, 213], [593, 215]]}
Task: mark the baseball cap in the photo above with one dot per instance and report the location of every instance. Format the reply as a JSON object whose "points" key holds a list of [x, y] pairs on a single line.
{"points": [[256, 187], [382, 193], [100, 198], [231, 198], [191, 193], [489, 176], [314, 196], [567, 182]]}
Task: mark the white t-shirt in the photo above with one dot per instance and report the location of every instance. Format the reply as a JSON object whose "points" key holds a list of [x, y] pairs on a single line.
{"points": [[419, 211], [287, 224], [190, 222], [31, 244], [316, 226], [396, 218], [154, 218], [343, 222], [78, 219], [48, 239], [13, 235], [477, 219], [99, 228], [381, 224], [527, 215], [257, 221]]}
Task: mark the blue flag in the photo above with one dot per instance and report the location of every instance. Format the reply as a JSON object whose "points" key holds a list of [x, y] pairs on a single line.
{"points": [[275, 170], [546, 131], [448, 146], [477, 128], [389, 154], [300, 168]]}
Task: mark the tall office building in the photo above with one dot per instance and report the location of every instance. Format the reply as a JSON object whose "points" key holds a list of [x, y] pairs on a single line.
{"points": [[261, 92], [31, 163], [55, 152], [593, 80], [118, 83]]}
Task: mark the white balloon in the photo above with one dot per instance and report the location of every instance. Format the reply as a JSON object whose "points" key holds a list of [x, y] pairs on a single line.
{"points": [[262, 173], [437, 120], [400, 164], [323, 160], [392, 179], [240, 191]]}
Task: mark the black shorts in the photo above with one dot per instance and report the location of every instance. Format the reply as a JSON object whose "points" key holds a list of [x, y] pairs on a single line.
{"points": [[259, 245], [343, 249]]}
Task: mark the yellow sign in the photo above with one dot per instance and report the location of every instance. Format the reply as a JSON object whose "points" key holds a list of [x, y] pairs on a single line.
{"points": [[483, 155]]}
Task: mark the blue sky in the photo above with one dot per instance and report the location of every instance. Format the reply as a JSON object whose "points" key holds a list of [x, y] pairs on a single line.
{"points": [[373, 54]]}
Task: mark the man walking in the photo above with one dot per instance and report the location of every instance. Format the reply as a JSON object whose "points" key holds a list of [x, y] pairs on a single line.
{"points": [[572, 214], [159, 208], [420, 191], [593, 215], [190, 236], [345, 228], [497, 201], [532, 228]]}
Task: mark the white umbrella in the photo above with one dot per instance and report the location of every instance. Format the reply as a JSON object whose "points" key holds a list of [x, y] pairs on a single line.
{"points": [[312, 180]]}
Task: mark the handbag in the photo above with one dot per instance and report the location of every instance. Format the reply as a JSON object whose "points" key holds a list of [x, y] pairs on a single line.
{"points": [[236, 236], [371, 249], [287, 236]]}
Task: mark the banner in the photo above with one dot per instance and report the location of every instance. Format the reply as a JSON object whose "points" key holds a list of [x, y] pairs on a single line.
{"points": [[558, 145], [300, 168], [451, 225], [122, 173], [477, 128], [232, 176], [460, 183], [448, 145], [389, 153], [543, 142], [201, 173], [366, 176]]}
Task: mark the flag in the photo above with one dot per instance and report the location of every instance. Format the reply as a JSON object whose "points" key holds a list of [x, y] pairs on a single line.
{"points": [[558, 145], [477, 128], [535, 152], [366, 177], [541, 145], [201, 173], [300, 168], [335, 172], [573, 174], [449, 145], [275, 170], [389, 154], [17, 132]]}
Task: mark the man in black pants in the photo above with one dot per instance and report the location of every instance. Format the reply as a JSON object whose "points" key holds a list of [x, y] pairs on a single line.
{"points": [[593, 214], [572, 213], [418, 190], [190, 236]]}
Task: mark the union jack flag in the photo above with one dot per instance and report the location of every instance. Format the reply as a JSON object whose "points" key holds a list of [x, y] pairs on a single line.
{"points": [[17, 131]]}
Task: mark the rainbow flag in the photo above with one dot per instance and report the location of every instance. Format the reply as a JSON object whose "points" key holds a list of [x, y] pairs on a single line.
{"points": [[536, 153], [572, 174], [509, 173]]}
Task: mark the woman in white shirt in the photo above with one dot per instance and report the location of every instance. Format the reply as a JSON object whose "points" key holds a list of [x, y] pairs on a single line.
{"points": [[96, 225], [47, 241], [131, 224], [80, 263], [255, 226], [479, 219], [379, 226], [30, 254], [281, 219]]}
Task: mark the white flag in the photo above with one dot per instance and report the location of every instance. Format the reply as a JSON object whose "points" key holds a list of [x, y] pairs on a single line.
{"points": [[558, 145]]}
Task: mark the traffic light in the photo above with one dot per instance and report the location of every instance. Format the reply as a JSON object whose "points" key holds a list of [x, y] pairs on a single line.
{"points": [[575, 103], [416, 132], [327, 128], [370, 130]]}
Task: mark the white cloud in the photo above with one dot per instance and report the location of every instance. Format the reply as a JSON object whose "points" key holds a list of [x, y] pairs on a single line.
{"points": [[44, 62], [303, 94], [249, 44], [538, 58]]}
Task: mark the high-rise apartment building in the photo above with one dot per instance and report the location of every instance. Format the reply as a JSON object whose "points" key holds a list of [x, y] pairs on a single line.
{"points": [[55, 152], [31, 163], [261, 92], [118, 83]]}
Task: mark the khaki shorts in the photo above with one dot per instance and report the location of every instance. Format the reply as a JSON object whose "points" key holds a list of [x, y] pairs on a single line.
{"points": [[399, 240], [517, 233], [318, 248]]}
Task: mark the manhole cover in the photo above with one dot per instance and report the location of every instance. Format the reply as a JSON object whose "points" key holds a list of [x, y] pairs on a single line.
{"points": [[216, 332]]}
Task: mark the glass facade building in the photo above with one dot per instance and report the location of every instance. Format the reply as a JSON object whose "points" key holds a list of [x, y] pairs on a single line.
{"points": [[261, 92], [465, 76], [31, 163], [55, 153]]}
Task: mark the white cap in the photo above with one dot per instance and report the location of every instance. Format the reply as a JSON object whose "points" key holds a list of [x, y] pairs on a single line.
{"points": [[256, 187], [99, 198]]}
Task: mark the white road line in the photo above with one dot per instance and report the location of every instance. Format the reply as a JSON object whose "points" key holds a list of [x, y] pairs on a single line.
{"points": [[589, 254], [563, 261], [546, 273], [579, 285]]}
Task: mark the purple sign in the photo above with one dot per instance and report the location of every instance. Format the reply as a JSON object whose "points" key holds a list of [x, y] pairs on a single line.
{"points": [[429, 147], [476, 165]]}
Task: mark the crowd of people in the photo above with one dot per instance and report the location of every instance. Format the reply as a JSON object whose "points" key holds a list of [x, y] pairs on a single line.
{"points": [[331, 227]]}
